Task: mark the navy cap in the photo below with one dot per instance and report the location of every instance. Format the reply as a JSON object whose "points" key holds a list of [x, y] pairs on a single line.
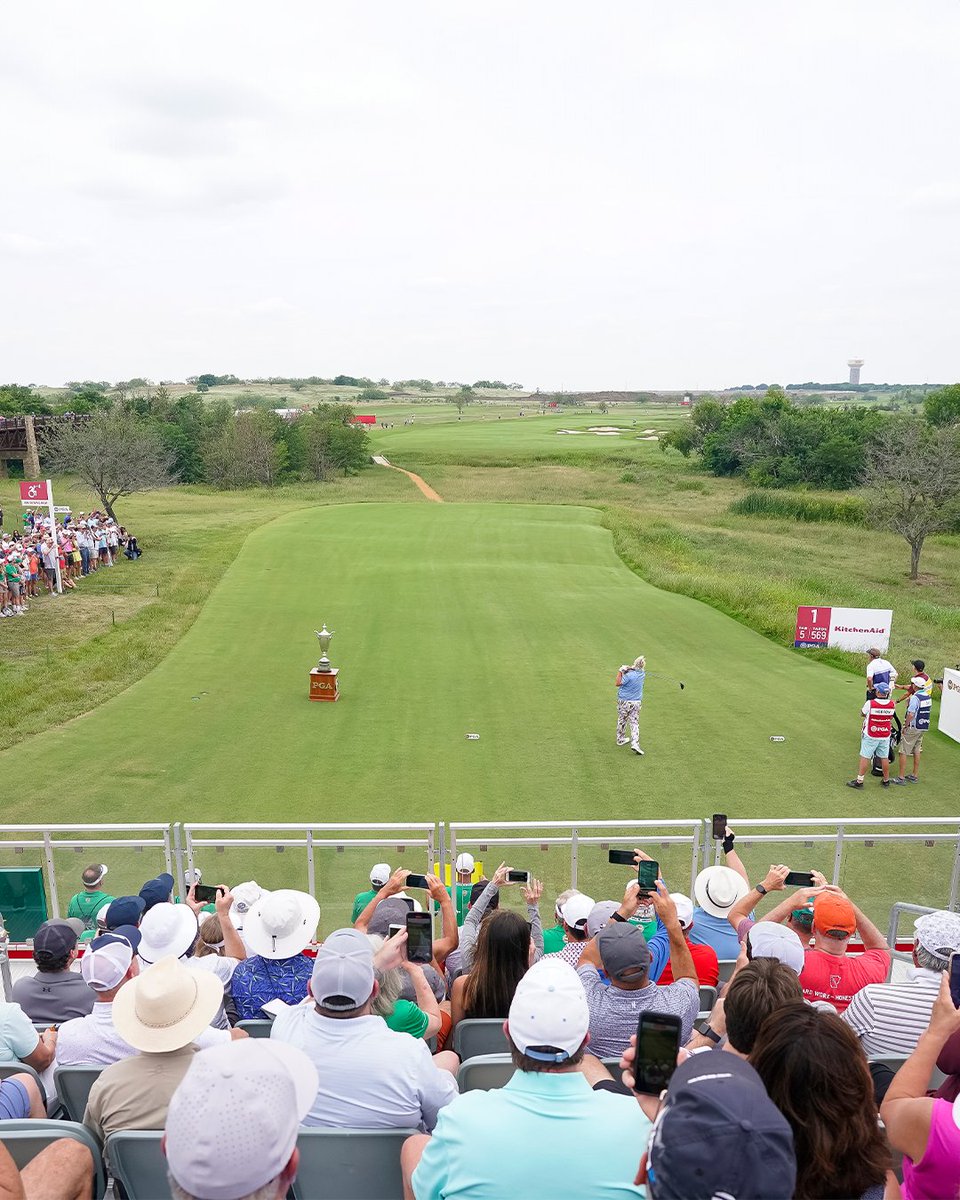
{"points": [[719, 1133], [157, 891], [53, 940], [125, 910], [122, 933]]}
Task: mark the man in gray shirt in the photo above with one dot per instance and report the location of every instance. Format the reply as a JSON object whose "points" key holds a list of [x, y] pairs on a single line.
{"points": [[622, 950], [55, 993]]}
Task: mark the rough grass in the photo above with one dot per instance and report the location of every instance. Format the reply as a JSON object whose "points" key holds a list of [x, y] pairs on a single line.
{"points": [[811, 509]]}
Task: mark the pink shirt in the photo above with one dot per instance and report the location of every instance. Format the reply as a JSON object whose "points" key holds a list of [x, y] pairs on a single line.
{"points": [[937, 1175]]}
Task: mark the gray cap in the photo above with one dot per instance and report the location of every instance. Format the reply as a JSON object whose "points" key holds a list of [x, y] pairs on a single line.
{"points": [[343, 971], [600, 916], [435, 982], [392, 911], [623, 951]]}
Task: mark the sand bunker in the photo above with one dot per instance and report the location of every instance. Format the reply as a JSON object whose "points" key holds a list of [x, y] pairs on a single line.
{"points": [[597, 430]]}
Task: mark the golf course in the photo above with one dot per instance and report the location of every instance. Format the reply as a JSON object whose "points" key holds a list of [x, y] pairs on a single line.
{"points": [[506, 620]]}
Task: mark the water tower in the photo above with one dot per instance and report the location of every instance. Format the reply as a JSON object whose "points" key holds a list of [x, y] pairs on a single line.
{"points": [[854, 364]]}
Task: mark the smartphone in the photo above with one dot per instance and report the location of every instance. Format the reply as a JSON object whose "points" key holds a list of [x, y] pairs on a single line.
{"points": [[622, 858], [647, 875], [719, 826], [518, 877], [419, 937], [799, 879], [955, 979], [408, 902], [417, 881], [658, 1041], [207, 895], [393, 930]]}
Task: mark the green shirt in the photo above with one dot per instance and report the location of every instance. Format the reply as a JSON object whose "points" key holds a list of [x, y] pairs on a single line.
{"points": [[461, 899], [553, 940], [84, 906], [408, 1017], [360, 902]]}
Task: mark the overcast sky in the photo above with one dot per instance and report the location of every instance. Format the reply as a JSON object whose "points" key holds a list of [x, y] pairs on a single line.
{"points": [[685, 193]]}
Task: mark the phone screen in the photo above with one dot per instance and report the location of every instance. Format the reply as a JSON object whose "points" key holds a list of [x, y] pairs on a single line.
{"points": [[719, 826], [658, 1041], [417, 881], [205, 894], [393, 930], [623, 858], [955, 979], [799, 879], [408, 902], [419, 937], [647, 875], [518, 877]]}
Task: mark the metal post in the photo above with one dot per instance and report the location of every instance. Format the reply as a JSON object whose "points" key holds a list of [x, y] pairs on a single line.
{"points": [[955, 877], [695, 864], [574, 847], [53, 534], [838, 856], [168, 862], [51, 874], [311, 877], [178, 857], [5, 980]]}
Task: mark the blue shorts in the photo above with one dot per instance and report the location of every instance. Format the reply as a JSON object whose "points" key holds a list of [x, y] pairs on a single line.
{"points": [[14, 1101], [870, 746]]}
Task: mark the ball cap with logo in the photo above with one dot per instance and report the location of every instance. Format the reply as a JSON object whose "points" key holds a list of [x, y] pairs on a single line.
{"points": [[834, 915], [54, 939], [549, 1017], [233, 1121], [717, 889], [719, 1134], [343, 974]]}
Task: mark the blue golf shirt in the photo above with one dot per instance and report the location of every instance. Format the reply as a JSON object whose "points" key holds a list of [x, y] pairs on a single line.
{"points": [[631, 685]]}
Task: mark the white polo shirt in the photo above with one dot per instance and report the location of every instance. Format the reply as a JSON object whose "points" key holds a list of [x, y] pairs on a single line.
{"points": [[370, 1077], [93, 1040]]}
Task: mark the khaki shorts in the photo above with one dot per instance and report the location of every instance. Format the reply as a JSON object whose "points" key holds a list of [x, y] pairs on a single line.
{"points": [[912, 741]]}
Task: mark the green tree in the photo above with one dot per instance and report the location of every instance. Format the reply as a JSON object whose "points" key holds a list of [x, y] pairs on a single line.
{"points": [[466, 395], [942, 407], [244, 453]]}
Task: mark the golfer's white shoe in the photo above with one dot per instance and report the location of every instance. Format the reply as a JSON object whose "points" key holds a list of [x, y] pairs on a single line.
{"points": [[637, 750]]}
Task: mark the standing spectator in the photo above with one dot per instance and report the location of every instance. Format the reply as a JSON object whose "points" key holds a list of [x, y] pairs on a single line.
{"points": [[623, 951], [629, 702], [462, 888], [56, 993], [705, 961], [379, 875], [879, 672], [916, 723], [829, 972], [85, 905], [279, 927], [553, 937], [484, 1143], [878, 714], [157, 891]]}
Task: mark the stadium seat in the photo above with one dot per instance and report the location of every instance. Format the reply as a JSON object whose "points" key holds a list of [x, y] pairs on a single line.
{"points": [[484, 1072], [350, 1164], [256, 1028], [708, 997], [18, 1068], [484, 1036], [726, 968], [26, 1139], [73, 1087], [138, 1162]]}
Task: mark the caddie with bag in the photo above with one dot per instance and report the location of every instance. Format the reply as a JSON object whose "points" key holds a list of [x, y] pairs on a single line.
{"points": [[917, 722], [878, 715]]}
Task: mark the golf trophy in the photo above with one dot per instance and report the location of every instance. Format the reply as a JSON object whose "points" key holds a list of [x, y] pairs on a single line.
{"points": [[323, 677]]}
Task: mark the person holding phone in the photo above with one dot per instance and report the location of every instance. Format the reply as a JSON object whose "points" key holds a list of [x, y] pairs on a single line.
{"points": [[629, 702], [491, 895]]}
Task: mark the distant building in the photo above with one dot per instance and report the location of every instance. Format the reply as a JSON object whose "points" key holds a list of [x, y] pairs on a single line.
{"points": [[854, 364]]}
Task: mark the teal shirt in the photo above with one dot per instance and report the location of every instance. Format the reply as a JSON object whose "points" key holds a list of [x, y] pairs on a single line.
{"points": [[482, 1147]]}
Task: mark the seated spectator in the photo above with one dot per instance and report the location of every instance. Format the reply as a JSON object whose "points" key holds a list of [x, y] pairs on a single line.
{"points": [[488, 901], [20, 1100], [56, 993], [379, 875], [421, 1016], [277, 930], [462, 889], [574, 915], [705, 961], [553, 939], [157, 891], [926, 1128], [795, 911], [249, 1099], [762, 987], [160, 1013], [245, 897], [122, 912], [829, 972], [65, 1163], [716, 890], [890, 1017], [502, 956], [816, 1074], [486, 1144], [86, 904], [718, 1134], [20, 1042], [370, 1077], [623, 951]]}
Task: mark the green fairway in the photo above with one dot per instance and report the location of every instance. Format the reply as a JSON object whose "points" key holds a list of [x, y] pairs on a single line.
{"points": [[508, 621]]}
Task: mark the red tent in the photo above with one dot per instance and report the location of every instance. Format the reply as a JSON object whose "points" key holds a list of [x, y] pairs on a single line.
{"points": [[363, 420]]}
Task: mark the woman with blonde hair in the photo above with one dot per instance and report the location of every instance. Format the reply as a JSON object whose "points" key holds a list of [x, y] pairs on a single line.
{"points": [[629, 701]]}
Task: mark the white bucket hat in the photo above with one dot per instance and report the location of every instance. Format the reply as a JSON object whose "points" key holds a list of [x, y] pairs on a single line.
{"points": [[717, 889], [166, 1006], [167, 929], [281, 924]]}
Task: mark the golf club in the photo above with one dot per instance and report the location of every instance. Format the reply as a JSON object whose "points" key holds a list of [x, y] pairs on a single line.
{"points": [[662, 675]]}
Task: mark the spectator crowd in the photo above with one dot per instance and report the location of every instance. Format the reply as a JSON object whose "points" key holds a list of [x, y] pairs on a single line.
{"points": [[802, 1066]]}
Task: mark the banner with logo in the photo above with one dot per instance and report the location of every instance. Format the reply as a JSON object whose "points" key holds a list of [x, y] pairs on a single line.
{"points": [[949, 722], [843, 628], [34, 492]]}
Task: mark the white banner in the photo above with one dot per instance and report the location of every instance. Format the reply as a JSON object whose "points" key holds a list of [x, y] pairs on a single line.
{"points": [[949, 722], [860, 628]]}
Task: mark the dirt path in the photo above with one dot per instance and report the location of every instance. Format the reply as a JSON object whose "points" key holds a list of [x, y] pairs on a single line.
{"points": [[421, 484]]}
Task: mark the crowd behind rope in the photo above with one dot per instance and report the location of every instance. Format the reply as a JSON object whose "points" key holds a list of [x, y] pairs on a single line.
{"points": [[29, 558], [778, 1092]]}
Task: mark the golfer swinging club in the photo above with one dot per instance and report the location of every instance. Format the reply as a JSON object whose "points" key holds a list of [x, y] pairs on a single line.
{"points": [[629, 698]]}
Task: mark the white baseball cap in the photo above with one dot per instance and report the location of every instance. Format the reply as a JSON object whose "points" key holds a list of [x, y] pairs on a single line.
{"points": [[380, 873], [684, 906], [245, 896], [167, 929], [717, 889], [233, 1121], [343, 974], [600, 914], [281, 924], [549, 1017], [767, 939], [576, 911], [464, 862], [104, 967]]}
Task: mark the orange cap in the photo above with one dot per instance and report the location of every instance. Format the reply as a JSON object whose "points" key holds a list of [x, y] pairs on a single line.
{"points": [[833, 913]]}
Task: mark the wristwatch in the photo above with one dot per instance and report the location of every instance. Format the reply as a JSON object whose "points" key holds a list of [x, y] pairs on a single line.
{"points": [[617, 917], [711, 1034], [758, 887]]}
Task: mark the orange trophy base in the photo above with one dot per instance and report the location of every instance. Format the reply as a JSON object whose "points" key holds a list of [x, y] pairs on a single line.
{"points": [[323, 684]]}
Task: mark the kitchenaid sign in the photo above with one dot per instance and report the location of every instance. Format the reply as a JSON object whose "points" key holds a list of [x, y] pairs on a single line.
{"points": [[843, 628]]}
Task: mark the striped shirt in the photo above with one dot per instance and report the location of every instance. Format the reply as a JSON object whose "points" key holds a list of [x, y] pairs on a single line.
{"points": [[614, 1012], [889, 1018]]}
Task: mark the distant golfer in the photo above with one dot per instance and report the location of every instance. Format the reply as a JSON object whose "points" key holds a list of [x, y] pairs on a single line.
{"points": [[878, 715], [629, 699]]}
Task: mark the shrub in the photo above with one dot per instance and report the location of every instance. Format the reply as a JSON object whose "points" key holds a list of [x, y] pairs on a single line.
{"points": [[799, 508]]}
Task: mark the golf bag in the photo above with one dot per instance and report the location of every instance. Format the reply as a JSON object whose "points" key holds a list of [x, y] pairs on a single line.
{"points": [[896, 732]]}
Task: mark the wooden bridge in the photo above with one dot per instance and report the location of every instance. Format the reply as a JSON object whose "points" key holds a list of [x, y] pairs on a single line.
{"points": [[22, 438]]}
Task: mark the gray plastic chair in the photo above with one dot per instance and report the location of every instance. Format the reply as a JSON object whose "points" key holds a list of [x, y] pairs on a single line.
{"points": [[26, 1139], [726, 968], [256, 1028], [73, 1087], [708, 997], [350, 1164], [485, 1072], [138, 1162], [479, 1036]]}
